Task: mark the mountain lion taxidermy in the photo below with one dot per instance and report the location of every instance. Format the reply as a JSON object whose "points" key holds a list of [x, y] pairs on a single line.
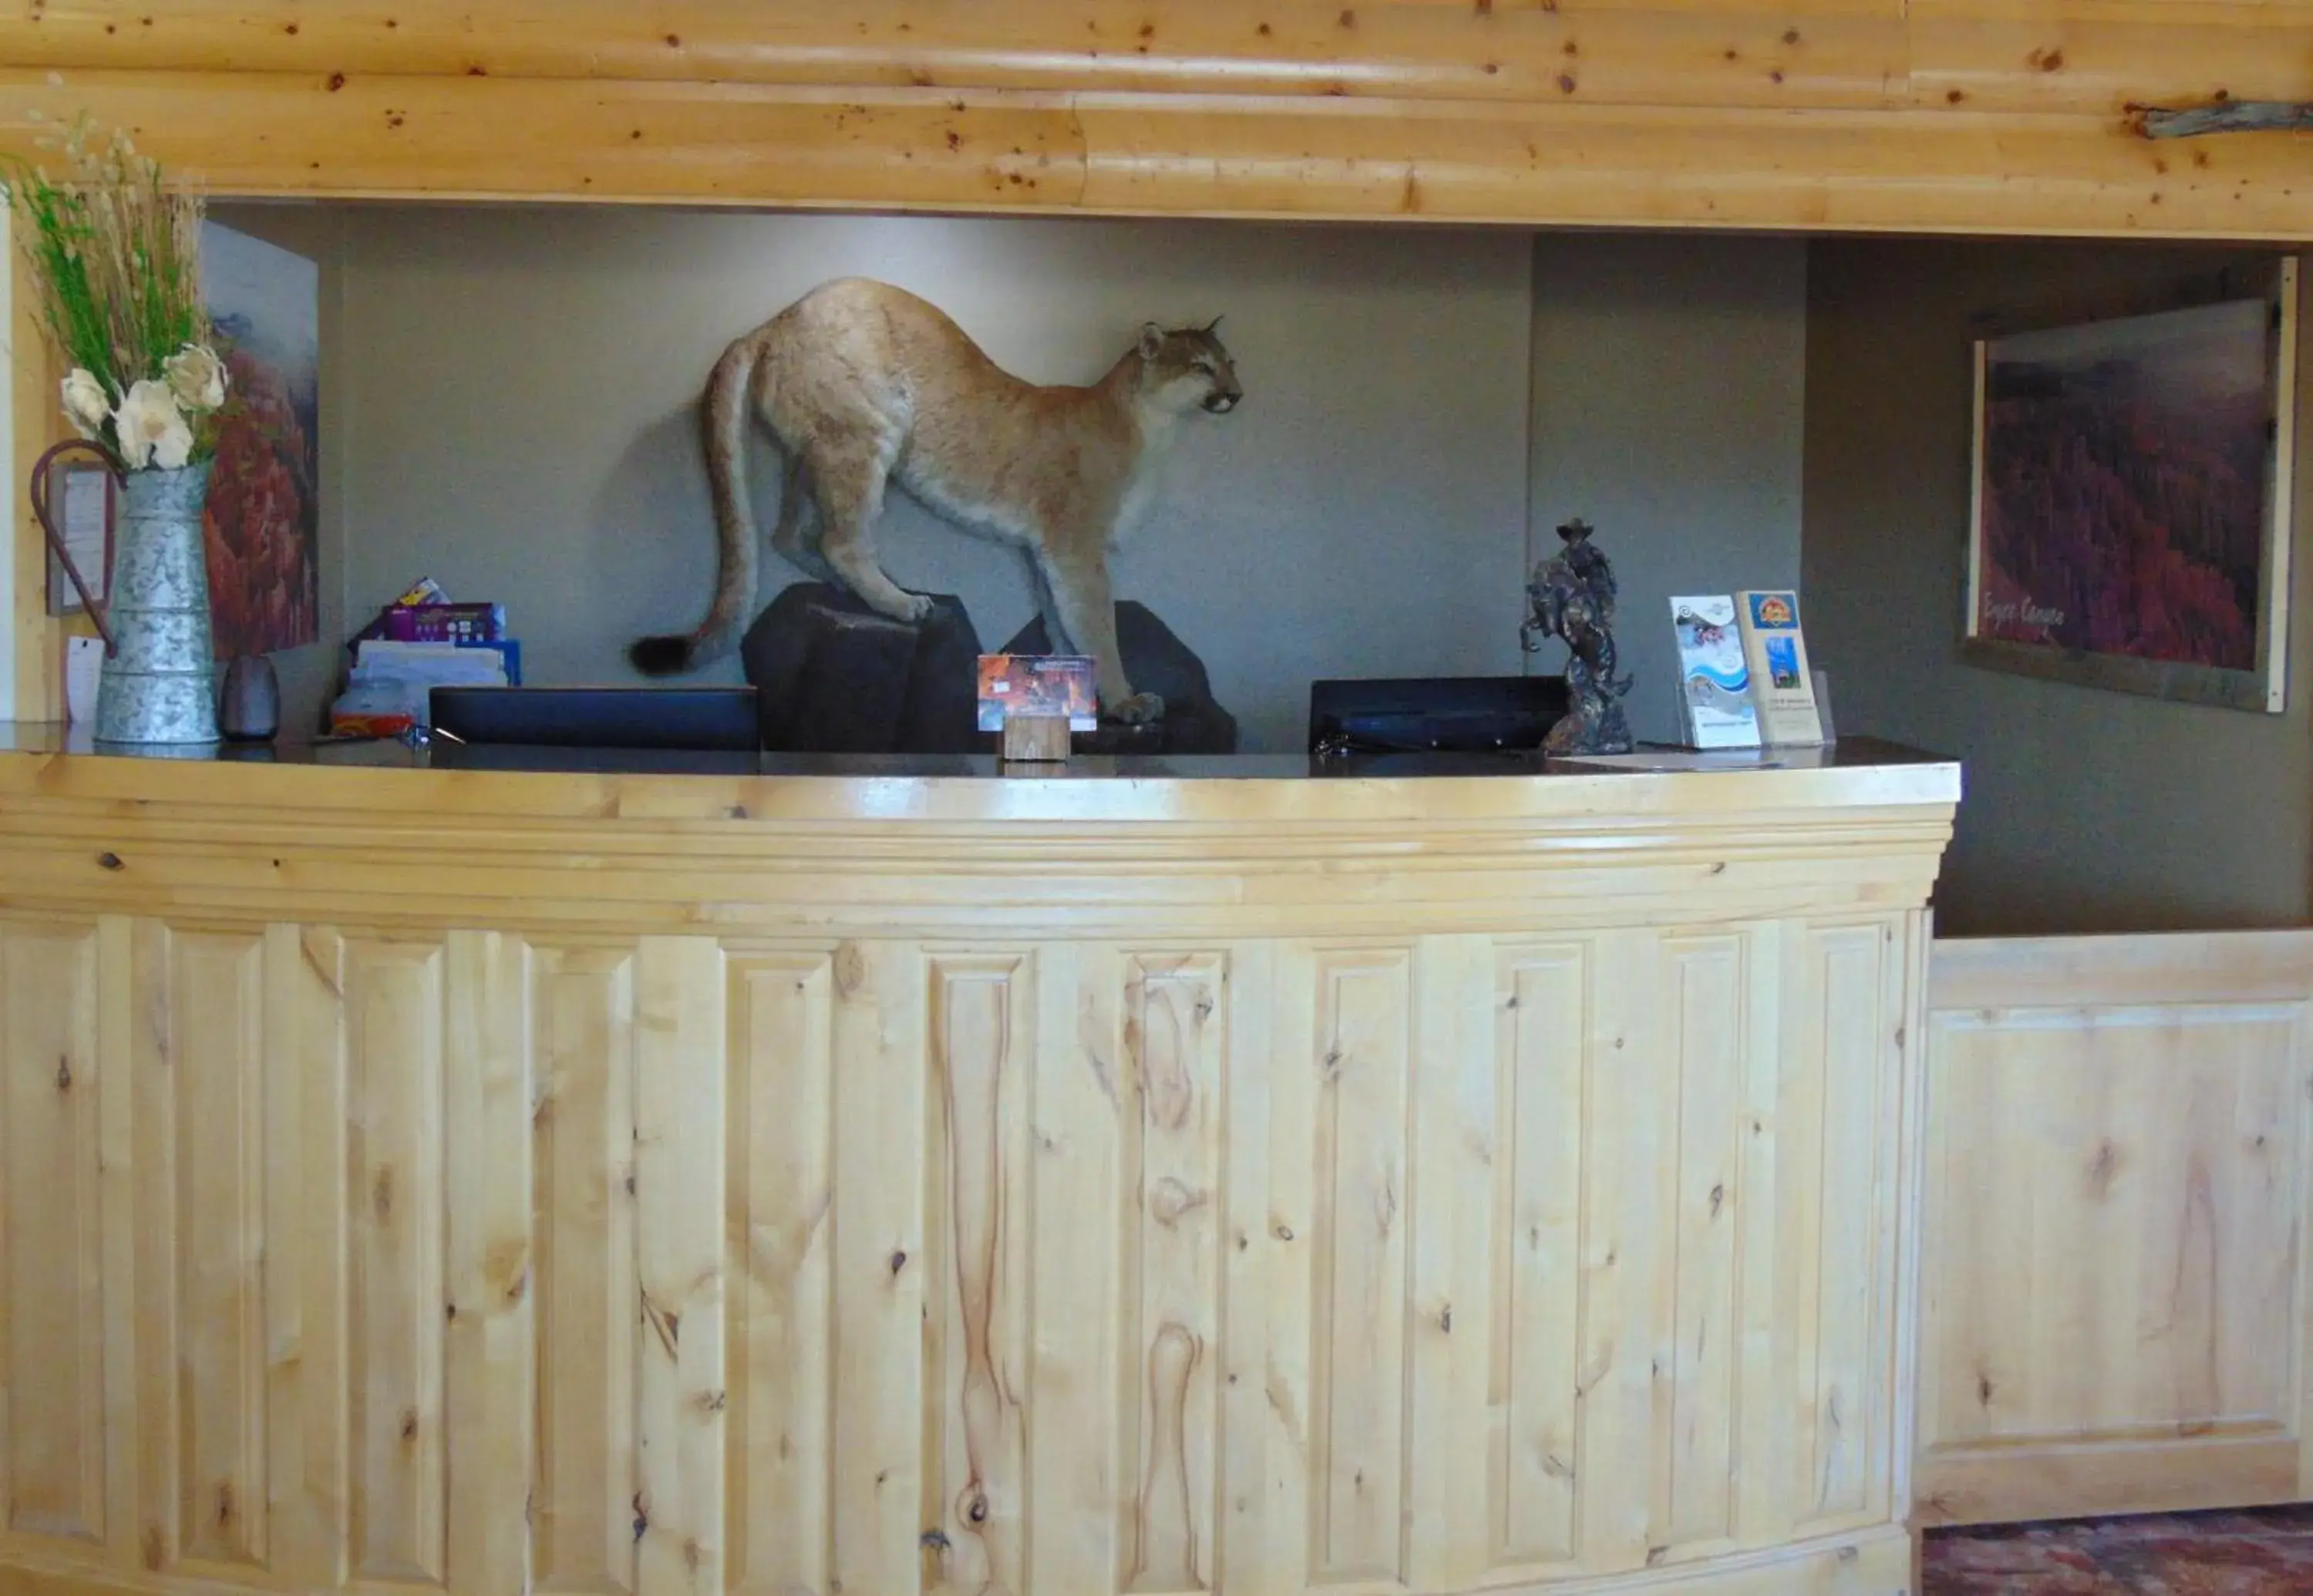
{"points": [[864, 383]]}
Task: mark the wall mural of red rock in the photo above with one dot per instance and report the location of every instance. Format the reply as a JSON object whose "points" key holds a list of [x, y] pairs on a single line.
{"points": [[2125, 481], [264, 501]]}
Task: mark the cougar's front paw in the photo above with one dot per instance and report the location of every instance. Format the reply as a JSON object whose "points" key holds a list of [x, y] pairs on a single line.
{"points": [[915, 609], [1142, 709]]}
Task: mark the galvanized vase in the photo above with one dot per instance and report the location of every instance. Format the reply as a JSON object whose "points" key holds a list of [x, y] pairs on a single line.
{"points": [[158, 687]]}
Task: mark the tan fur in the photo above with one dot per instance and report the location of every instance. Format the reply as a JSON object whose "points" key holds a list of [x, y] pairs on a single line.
{"points": [[865, 384]]}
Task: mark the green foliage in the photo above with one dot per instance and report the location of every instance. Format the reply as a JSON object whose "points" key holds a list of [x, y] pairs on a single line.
{"points": [[114, 251]]}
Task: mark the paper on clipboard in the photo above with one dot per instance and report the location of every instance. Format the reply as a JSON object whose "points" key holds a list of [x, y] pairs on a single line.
{"points": [[84, 662]]}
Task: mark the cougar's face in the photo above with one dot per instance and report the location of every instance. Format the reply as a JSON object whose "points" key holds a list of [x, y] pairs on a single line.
{"points": [[1192, 370]]}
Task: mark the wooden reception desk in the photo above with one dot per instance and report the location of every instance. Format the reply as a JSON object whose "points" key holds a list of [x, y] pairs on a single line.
{"points": [[869, 1179]]}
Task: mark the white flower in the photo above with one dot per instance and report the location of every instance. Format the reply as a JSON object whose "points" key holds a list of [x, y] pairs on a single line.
{"points": [[85, 405], [197, 377], [153, 430]]}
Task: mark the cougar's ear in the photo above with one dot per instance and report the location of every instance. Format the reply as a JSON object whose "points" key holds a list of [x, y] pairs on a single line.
{"points": [[1152, 339], [1212, 326]]}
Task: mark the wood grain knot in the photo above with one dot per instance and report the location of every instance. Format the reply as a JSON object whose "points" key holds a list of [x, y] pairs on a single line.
{"points": [[108, 862], [850, 963], [1171, 1200], [899, 1261], [63, 1072], [409, 1425], [381, 1194], [506, 1268], [666, 1322], [975, 1512], [1284, 1232]]}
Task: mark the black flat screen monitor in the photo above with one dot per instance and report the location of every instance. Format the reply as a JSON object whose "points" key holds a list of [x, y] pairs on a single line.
{"points": [[1433, 714], [705, 720]]}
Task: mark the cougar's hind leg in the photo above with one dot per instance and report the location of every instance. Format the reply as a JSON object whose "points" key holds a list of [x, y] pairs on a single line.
{"points": [[847, 483], [796, 538]]}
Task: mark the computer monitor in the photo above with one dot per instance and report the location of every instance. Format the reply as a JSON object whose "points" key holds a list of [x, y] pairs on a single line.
{"points": [[690, 718], [1433, 714]]}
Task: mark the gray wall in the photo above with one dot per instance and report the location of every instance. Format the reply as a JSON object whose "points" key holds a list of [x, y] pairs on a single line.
{"points": [[508, 407], [1670, 384], [2086, 810], [521, 422]]}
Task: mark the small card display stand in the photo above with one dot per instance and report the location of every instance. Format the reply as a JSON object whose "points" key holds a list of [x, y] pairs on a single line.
{"points": [[1034, 702]]}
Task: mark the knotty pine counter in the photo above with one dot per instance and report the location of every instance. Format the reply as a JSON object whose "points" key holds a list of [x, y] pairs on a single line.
{"points": [[889, 1176]]}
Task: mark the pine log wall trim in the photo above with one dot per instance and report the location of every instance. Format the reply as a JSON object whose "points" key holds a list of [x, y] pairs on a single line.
{"points": [[2018, 117]]}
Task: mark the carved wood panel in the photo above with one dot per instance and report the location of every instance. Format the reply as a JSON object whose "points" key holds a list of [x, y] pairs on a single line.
{"points": [[478, 1262], [2116, 1183]]}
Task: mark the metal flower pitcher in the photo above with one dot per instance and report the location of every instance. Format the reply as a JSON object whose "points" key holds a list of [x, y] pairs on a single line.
{"points": [[158, 682]]}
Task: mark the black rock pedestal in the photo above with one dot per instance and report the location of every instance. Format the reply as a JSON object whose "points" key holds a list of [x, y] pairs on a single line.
{"points": [[1155, 661], [836, 678]]}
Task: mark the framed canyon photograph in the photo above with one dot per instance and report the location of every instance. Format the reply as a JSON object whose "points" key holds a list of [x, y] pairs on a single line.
{"points": [[2130, 519], [262, 523]]}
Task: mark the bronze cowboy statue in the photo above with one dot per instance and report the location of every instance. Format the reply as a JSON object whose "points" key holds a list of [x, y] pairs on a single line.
{"points": [[1572, 597]]}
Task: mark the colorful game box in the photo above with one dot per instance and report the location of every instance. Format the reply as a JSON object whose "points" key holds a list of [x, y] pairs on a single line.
{"points": [[1036, 685]]}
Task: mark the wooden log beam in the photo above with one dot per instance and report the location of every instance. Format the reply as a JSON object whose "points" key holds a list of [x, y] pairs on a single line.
{"points": [[1792, 55], [2069, 55], [1995, 116], [901, 149]]}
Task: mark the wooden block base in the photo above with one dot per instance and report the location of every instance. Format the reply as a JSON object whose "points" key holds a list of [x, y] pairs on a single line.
{"points": [[1042, 738]]}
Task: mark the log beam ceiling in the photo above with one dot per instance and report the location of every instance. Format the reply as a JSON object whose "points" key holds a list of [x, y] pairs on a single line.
{"points": [[1960, 115]]}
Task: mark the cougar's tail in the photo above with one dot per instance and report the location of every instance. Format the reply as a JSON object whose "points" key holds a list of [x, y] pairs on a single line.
{"points": [[723, 426]]}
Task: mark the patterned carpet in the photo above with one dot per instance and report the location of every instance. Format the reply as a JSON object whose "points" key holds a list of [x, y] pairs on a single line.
{"points": [[2262, 1552]]}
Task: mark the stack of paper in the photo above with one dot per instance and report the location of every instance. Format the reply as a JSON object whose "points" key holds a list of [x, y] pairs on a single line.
{"points": [[404, 675]]}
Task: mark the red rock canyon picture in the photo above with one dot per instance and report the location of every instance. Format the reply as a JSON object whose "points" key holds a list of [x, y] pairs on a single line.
{"points": [[2126, 484]]}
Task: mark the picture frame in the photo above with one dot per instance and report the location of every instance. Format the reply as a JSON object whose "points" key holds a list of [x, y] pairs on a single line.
{"points": [[2130, 520], [85, 501], [262, 520]]}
